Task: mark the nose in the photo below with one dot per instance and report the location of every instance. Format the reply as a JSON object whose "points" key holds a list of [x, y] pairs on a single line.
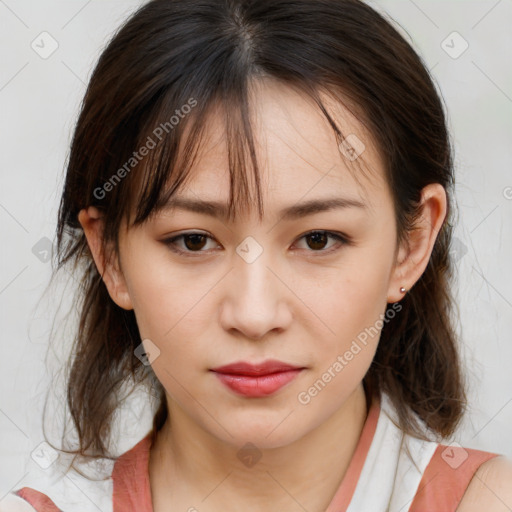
{"points": [[256, 301]]}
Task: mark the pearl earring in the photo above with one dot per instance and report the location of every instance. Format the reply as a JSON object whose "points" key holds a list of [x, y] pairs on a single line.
{"points": [[402, 290]]}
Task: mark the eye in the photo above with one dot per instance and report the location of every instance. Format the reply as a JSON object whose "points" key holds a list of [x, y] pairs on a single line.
{"points": [[318, 240], [189, 242]]}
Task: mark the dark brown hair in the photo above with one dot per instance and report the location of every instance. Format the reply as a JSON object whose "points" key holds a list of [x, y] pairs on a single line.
{"points": [[201, 53]]}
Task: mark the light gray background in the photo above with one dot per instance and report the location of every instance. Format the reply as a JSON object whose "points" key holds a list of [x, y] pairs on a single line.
{"points": [[39, 100]]}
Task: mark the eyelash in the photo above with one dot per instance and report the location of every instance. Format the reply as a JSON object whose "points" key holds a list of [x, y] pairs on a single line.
{"points": [[171, 242]]}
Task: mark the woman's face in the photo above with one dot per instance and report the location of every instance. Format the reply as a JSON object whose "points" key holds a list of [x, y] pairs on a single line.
{"points": [[250, 291]]}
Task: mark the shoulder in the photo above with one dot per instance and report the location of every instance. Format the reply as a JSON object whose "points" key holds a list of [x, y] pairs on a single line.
{"points": [[448, 482], [490, 488]]}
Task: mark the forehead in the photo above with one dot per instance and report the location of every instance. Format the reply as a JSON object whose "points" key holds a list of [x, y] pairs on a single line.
{"points": [[299, 157]]}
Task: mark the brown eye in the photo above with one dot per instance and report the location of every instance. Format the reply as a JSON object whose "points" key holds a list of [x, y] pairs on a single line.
{"points": [[195, 241], [190, 243], [318, 241]]}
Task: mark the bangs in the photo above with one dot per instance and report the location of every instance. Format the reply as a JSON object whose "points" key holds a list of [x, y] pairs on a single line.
{"points": [[176, 131], [167, 167]]}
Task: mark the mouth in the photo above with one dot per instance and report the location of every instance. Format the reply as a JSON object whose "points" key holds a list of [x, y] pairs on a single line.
{"points": [[256, 380]]}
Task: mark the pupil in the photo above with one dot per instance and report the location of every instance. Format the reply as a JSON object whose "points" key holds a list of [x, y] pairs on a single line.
{"points": [[318, 238], [195, 238]]}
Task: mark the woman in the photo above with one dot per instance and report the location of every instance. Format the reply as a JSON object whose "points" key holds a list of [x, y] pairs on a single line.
{"points": [[258, 204]]}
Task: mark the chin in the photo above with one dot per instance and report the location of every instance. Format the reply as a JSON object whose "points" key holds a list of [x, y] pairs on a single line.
{"points": [[264, 433]]}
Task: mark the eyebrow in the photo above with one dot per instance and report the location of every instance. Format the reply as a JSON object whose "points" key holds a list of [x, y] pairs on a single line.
{"points": [[218, 209]]}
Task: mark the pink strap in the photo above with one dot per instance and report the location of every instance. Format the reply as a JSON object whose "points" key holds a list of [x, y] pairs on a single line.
{"points": [[132, 490], [345, 492], [37, 499], [447, 477]]}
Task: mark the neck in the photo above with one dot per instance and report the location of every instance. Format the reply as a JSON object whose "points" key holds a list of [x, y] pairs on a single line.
{"points": [[187, 460]]}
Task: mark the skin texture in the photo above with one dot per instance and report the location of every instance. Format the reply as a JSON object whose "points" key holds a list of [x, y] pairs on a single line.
{"points": [[299, 301], [490, 489]]}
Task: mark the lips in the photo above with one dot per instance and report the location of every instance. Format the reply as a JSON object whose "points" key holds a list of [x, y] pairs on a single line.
{"points": [[256, 380], [265, 368]]}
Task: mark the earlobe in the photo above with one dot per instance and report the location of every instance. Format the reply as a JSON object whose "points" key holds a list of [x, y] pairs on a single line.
{"points": [[414, 255], [91, 220]]}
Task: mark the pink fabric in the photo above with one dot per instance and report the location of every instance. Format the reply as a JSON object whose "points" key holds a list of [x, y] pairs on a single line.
{"points": [[132, 490], [447, 477], [38, 500], [343, 496]]}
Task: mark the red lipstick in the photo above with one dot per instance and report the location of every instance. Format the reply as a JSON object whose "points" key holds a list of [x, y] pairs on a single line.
{"points": [[256, 380]]}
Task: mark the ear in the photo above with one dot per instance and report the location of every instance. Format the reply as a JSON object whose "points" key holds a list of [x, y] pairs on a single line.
{"points": [[414, 254], [91, 220]]}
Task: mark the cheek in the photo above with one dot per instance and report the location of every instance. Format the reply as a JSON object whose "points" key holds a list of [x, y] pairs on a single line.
{"points": [[350, 300], [170, 312], [334, 382], [166, 298], [352, 309]]}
